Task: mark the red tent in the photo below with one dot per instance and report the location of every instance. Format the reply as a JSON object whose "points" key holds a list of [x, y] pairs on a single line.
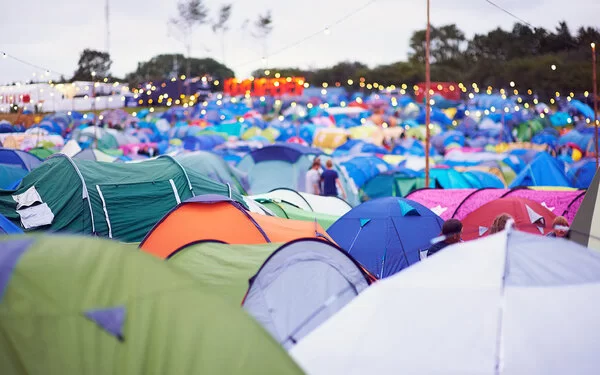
{"points": [[529, 217]]}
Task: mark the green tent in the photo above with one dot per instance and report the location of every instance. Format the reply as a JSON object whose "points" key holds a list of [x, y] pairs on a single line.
{"points": [[287, 210], [76, 305], [213, 167], [116, 200], [221, 268], [42, 152]]}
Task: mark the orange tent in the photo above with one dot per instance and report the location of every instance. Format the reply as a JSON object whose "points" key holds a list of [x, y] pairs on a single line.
{"points": [[217, 218]]}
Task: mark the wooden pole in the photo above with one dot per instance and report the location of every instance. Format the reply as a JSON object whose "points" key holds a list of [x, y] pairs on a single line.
{"points": [[427, 95], [595, 93]]}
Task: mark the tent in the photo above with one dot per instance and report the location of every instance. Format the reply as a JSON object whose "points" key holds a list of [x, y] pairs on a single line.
{"points": [[529, 217], [386, 235], [76, 305], [221, 268], [120, 201], [458, 203], [213, 167], [290, 211], [7, 227], [585, 229], [544, 170], [19, 158], [14, 165], [314, 203], [480, 307], [279, 165], [214, 217], [301, 285]]}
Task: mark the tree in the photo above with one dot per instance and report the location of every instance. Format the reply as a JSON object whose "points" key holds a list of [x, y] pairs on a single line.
{"points": [[92, 62], [161, 67], [263, 28], [447, 44], [220, 26], [190, 14]]}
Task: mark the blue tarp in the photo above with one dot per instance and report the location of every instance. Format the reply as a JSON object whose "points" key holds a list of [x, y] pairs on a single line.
{"points": [[386, 235]]}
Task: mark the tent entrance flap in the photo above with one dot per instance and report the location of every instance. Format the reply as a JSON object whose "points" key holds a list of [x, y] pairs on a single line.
{"points": [[131, 208]]}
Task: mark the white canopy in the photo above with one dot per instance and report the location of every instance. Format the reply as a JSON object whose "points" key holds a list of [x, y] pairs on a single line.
{"points": [[511, 303]]}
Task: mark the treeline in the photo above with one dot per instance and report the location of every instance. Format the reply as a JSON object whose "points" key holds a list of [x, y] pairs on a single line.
{"points": [[522, 55]]}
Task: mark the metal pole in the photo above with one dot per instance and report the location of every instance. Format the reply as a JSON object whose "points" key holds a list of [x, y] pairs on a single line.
{"points": [[427, 95], [595, 92]]}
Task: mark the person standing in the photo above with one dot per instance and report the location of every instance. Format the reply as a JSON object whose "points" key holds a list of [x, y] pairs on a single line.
{"points": [[331, 182], [313, 178]]}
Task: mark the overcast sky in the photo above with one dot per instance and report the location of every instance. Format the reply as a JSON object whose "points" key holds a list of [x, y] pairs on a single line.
{"points": [[52, 33]]}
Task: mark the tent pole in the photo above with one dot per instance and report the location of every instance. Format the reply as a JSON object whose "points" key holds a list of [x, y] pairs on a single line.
{"points": [[595, 92], [427, 95]]}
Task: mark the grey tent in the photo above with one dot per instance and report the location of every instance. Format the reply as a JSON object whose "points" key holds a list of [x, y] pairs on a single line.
{"points": [[300, 286], [585, 229]]}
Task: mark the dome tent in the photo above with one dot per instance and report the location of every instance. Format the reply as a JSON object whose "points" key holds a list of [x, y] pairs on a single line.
{"points": [[386, 235], [75, 305], [89, 197], [486, 311], [529, 216], [218, 218], [301, 285]]}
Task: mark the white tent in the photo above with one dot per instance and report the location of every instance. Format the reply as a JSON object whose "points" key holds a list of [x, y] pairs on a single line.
{"points": [[511, 303], [309, 202]]}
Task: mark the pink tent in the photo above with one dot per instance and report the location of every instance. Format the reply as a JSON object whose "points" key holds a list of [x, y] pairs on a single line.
{"points": [[561, 203], [442, 202], [458, 203], [476, 200]]}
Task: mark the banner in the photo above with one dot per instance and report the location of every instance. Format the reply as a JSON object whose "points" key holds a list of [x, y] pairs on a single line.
{"points": [[292, 86]]}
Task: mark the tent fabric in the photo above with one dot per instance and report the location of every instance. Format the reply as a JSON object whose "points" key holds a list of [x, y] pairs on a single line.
{"points": [[7, 227], [529, 216], [309, 202], [11, 175], [561, 203], [458, 203], [287, 210], [120, 201], [386, 235], [19, 158], [213, 217], [276, 166], [221, 268], [443, 202], [486, 311], [301, 285], [544, 170], [87, 289], [585, 229], [213, 167]]}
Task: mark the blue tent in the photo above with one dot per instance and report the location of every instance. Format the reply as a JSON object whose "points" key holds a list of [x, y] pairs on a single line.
{"points": [[386, 235], [363, 168], [544, 170], [7, 227], [582, 173], [19, 158]]}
